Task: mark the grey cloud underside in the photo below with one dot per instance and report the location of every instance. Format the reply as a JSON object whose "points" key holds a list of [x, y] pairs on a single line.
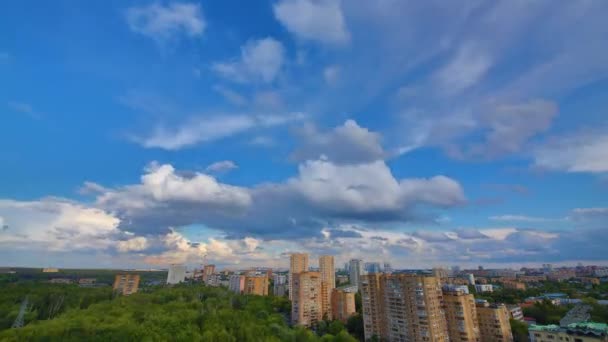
{"points": [[322, 195]]}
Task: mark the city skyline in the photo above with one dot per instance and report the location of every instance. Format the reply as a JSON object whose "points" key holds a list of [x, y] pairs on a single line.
{"points": [[140, 134]]}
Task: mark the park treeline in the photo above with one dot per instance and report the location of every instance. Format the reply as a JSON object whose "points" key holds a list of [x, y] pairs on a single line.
{"points": [[185, 312]]}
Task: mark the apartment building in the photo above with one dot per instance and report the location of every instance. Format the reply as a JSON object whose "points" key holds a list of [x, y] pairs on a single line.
{"points": [[256, 285], [493, 322], [236, 283], [328, 283], [461, 316], [298, 262], [342, 304], [306, 302], [126, 284], [402, 307]]}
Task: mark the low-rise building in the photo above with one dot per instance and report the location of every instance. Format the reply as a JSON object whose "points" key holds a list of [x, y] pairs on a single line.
{"points": [[126, 284], [514, 285], [576, 332], [61, 281], [481, 288], [516, 312]]}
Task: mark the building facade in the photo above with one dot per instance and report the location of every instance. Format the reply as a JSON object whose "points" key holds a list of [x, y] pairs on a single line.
{"points": [[328, 283], [402, 307], [126, 284], [236, 283], [298, 262], [494, 322], [256, 285], [355, 271], [461, 316], [306, 302], [177, 274], [279, 285], [342, 304], [577, 332]]}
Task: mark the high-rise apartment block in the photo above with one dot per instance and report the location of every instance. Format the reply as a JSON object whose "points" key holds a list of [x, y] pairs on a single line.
{"points": [[493, 322], [279, 284], [461, 316], [402, 307], [177, 274], [355, 271], [126, 284], [257, 285], [298, 264], [342, 304], [328, 283], [236, 283], [306, 298], [208, 270]]}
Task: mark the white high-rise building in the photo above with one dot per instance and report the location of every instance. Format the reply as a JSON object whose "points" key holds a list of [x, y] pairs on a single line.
{"points": [[471, 278], [355, 267], [280, 284], [177, 274]]}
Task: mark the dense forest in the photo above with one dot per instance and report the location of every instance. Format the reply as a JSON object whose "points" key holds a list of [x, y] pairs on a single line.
{"points": [[186, 312]]}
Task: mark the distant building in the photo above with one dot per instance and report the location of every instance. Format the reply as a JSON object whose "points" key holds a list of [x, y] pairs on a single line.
{"points": [[126, 284], [342, 304], [306, 302], [388, 268], [515, 312], [279, 284], [461, 316], [342, 279], [482, 288], [50, 270], [256, 285], [576, 332], [328, 283], [177, 274], [298, 262], [372, 267], [493, 322], [471, 279], [440, 273], [87, 282], [578, 314], [456, 288], [514, 285], [208, 270], [355, 267], [237, 283], [61, 281]]}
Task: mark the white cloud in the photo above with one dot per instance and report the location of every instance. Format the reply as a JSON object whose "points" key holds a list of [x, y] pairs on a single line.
{"points": [[222, 166], [522, 218], [316, 20], [231, 95], [583, 151], [135, 244], [331, 74], [348, 143], [260, 61], [210, 128], [24, 108], [56, 224], [467, 68], [166, 22]]}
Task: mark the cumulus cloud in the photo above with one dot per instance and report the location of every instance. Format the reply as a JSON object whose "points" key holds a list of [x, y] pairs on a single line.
{"points": [[315, 20], [222, 166], [300, 206], [260, 61], [203, 129], [56, 224], [345, 144], [161, 22], [584, 151], [139, 243]]}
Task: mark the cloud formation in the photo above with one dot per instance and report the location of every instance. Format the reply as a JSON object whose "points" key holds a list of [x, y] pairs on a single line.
{"points": [[315, 20], [162, 23], [260, 61], [221, 166]]}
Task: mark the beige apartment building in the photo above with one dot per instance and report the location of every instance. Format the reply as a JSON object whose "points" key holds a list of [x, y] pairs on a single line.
{"points": [[298, 262], [328, 283], [342, 304], [494, 322], [403, 307], [256, 285], [126, 284], [461, 316], [306, 302]]}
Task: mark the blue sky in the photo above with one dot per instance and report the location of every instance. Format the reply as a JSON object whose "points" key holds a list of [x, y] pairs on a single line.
{"points": [[144, 133]]}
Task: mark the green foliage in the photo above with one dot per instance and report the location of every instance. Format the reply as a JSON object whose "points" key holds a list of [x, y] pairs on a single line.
{"points": [[546, 313], [519, 330], [187, 312], [354, 325]]}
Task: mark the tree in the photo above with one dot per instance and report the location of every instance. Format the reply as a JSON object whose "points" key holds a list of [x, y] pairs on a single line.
{"points": [[519, 330], [354, 325]]}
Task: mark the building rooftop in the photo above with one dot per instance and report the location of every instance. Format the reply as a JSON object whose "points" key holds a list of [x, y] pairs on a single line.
{"points": [[586, 328]]}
